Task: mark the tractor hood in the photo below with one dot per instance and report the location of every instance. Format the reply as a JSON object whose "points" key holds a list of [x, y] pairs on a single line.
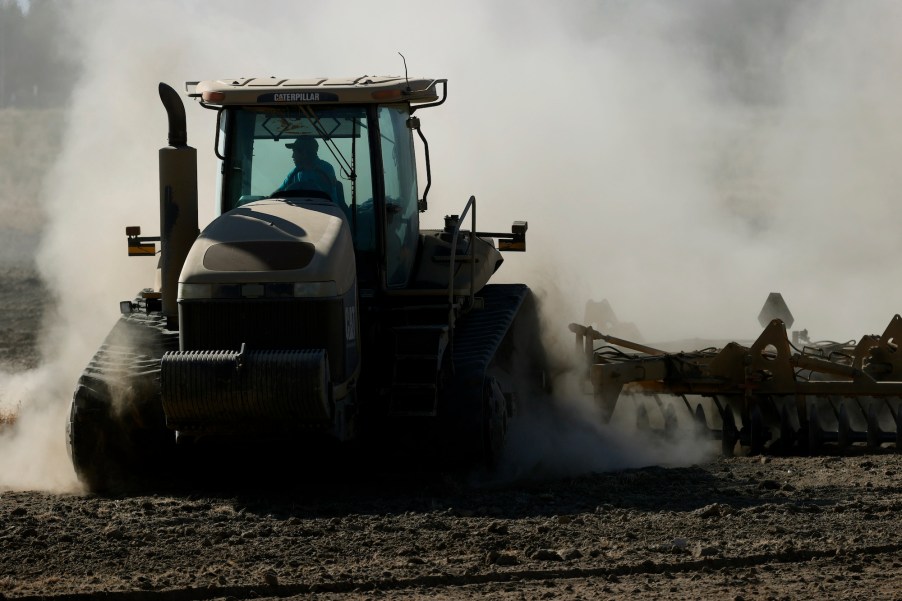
{"points": [[271, 248]]}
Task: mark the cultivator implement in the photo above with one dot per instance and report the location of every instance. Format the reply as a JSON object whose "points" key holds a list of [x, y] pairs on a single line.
{"points": [[773, 395]]}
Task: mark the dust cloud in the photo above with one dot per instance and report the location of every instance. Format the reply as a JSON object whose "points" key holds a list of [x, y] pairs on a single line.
{"points": [[681, 160]]}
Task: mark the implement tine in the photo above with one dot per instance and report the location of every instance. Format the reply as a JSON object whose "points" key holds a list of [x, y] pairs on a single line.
{"points": [[686, 402], [775, 388]]}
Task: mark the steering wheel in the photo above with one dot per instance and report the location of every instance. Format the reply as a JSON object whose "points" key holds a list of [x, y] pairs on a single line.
{"points": [[301, 193]]}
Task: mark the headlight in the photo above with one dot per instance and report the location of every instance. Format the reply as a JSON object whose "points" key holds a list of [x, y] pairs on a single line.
{"points": [[315, 289], [327, 289], [189, 291]]}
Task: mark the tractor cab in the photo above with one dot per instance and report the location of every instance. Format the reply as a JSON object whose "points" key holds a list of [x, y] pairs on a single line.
{"points": [[345, 142]]}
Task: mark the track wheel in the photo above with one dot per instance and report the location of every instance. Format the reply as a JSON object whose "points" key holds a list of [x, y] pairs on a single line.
{"points": [[730, 435]]}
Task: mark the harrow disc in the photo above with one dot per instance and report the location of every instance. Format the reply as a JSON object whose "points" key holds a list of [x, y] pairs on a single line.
{"points": [[787, 432], [759, 433], [874, 435], [700, 420], [670, 420], [844, 429], [642, 422], [815, 430], [730, 434]]}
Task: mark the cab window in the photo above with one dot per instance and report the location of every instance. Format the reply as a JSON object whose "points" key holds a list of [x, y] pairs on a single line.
{"points": [[302, 151]]}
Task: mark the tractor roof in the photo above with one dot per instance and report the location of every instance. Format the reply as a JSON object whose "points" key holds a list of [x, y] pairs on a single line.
{"points": [[317, 90]]}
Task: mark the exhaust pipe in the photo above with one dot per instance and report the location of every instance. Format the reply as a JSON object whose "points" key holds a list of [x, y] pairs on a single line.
{"points": [[178, 203]]}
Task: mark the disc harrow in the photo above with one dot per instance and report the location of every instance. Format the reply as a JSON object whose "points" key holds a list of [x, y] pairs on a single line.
{"points": [[772, 396]]}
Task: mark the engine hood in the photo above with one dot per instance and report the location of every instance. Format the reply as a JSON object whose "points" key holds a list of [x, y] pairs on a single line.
{"points": [[274, 241]]}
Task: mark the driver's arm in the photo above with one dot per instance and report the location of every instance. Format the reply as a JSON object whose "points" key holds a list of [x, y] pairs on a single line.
{"points": [[286, 182]]}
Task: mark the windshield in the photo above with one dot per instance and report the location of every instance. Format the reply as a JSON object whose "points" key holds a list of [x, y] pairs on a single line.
{"points": [[318, 152]]}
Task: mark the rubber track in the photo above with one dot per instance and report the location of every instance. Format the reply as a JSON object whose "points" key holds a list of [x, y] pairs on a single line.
{"points": [[480, 332], [133, 348]]}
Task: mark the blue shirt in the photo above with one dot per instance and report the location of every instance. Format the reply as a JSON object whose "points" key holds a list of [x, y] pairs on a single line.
{"points": [[319, 177]]}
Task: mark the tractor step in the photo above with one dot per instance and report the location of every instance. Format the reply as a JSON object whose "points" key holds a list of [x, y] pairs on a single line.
{"points": [[416, 367]]}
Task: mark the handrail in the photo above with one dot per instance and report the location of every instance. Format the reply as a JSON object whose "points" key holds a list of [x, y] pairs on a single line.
{"points": [[434, 82], [471, 252]]}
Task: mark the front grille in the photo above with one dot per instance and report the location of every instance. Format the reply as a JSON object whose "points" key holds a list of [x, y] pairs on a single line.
{"points": [[265, 324], [224, 391]]}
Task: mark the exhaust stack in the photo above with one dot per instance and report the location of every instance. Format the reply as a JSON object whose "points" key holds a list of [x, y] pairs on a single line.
{"points": [[178, 203]]}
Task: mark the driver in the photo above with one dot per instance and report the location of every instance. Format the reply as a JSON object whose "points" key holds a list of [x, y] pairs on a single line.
{"points": [[311, 172]]}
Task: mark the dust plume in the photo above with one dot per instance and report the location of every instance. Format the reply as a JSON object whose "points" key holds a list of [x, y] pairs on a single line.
{"points": [[698, 157], [681, 160], [684, 161]]}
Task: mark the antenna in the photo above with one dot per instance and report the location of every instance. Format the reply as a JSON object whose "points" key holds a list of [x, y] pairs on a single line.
{"points": [[405, 72]]}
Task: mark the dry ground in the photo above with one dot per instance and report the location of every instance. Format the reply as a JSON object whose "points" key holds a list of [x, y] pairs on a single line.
{"points": [[785, 528]]}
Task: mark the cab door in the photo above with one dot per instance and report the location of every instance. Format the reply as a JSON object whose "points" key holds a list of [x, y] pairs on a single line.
{"points": [[401, 224]]}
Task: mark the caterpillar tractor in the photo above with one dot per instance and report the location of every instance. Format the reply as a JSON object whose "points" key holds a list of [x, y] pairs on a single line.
{"points": [[777, 394], [312, 309]]}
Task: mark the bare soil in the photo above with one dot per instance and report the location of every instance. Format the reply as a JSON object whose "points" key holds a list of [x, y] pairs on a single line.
{"points": [[29, 143], [740, 528], [23, 299], [737, 528]]}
